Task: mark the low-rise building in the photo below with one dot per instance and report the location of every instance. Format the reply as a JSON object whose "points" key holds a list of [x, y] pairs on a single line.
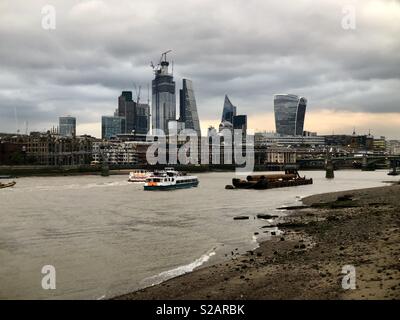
{"points": [[393, 147], [51, 149], [379, 145], [121, 153], [273, 139], [280, 156]]}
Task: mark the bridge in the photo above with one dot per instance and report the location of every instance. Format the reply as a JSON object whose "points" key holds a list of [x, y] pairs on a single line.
{"points": [[365, 162]]}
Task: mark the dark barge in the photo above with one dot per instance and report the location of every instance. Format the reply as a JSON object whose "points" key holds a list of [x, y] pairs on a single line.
{"points": [[290, 178]]}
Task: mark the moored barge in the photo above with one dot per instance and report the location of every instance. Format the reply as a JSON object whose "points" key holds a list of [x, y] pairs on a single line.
{"points": [[290, 178]]}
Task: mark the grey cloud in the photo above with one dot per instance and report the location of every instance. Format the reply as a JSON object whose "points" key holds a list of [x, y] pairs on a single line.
{"points": [[248, 49]]}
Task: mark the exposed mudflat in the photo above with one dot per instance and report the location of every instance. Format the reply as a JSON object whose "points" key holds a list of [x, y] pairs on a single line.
{"points": [[361, 229]]}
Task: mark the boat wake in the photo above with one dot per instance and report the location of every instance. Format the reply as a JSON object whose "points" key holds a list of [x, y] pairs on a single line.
{"points": [[166, 275], [82, 186]]}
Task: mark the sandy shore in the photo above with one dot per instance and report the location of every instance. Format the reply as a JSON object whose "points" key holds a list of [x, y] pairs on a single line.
{"points": [[306, 261]]}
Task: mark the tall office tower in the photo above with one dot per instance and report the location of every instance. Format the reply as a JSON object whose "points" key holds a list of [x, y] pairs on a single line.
{"points": [[229, 111], [290, 112], [67, 126], [163, 106], [127, 109], [142, 118], [111, 126], [240, 122], [187, 107]]}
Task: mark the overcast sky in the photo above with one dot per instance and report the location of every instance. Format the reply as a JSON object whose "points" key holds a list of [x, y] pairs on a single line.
{"points": [[249, 50]]}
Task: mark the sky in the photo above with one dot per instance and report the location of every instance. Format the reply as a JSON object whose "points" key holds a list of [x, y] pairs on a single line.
{"points": [[343, 56]]}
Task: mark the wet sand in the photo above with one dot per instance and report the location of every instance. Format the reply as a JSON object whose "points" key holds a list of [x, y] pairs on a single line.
{"points": [[362, 230]]}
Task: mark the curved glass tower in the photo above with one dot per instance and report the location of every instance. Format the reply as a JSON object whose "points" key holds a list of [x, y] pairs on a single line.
{"points": [[290, 111]]}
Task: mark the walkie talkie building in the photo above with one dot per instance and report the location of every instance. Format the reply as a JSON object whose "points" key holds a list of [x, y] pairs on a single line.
{"points": [[290, 111]]}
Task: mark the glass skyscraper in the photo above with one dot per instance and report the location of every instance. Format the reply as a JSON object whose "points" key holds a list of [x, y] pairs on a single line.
{"points": [[188, 109], [240, 122], [126, 109], [289, 112], [137, 116], [67, 126], [142, 118], [163, 106], [229, 111], [111, 126]]}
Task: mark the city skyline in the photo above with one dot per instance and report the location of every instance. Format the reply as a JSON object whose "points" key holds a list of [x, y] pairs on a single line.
{"points": [[349, 77]]}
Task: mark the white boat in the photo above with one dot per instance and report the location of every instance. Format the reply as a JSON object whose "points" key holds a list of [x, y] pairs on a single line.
{"points": [[169, 179], [139, 175]]}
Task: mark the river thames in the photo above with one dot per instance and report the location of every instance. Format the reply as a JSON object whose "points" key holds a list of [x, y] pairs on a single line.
{"points": [[106, 236]]}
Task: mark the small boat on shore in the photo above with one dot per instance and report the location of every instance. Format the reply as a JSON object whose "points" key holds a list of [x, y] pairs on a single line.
{"points": [[169, 179], [7, 185], [290, 178], [5, 177], [139, 175]]}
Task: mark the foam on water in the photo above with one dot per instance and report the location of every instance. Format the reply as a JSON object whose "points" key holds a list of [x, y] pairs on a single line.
{"points": [[166, 275]]}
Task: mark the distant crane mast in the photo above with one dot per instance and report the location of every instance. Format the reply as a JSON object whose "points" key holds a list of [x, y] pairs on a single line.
{"points": [[137, 93], [16, 119], [148, 94]]}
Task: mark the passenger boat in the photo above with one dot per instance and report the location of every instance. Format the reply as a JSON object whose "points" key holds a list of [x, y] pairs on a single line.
{"points": [[7, 185], [169, 179], [290, 178], [139, 175]]}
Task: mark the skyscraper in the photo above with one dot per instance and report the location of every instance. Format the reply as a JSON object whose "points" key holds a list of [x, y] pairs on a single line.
{"points": [[187, 108], [126, 109], [111, 126], [290, 112], [137, 115], [142, 118], [163, 104], [67, 126], [240, 122], [229, 111]]}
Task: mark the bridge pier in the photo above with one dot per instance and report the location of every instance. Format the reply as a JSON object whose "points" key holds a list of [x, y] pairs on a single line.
{"points": [[329, 169], [393, 171], [365, 166], [105, 170]]}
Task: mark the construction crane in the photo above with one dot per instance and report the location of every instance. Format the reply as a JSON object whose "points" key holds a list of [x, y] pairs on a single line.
{"points": [[137, 93], [164, 55], [163, 59]]}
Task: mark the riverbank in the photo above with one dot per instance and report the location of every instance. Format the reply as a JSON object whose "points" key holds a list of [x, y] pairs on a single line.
{"points": [[81, 170], [358, 228]]}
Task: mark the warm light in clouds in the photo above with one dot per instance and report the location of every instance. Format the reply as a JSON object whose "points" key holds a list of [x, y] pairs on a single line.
{"points": [[328, 122], [339, 122]]}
